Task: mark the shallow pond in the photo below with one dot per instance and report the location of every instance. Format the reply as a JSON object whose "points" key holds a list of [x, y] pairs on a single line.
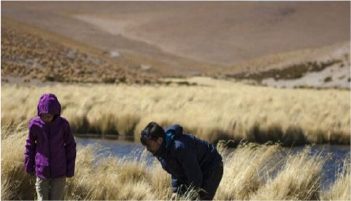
{"points": [[128, 150]]}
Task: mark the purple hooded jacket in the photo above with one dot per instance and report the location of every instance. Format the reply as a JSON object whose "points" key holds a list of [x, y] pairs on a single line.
{"points": [[50, 147]]}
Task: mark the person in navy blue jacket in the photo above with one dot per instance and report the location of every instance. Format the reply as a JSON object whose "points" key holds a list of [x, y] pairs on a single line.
{"points": [[191, 162]]}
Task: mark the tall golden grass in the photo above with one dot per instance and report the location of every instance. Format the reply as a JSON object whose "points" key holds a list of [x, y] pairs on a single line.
{"points": [[341, 189], [212, 110], [251, 172], [293, 185]]}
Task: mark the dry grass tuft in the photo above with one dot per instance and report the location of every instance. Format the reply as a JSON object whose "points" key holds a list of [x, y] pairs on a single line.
{"points": [[299, 179], [244, 171], [341, 189]]}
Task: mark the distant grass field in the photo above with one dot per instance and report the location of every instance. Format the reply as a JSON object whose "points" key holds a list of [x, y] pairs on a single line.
{"points": [[248, 175], [211, 109]]}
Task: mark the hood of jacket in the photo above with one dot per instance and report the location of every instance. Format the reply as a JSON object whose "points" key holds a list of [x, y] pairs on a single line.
{"points": [[48, 103], [171, 133]]}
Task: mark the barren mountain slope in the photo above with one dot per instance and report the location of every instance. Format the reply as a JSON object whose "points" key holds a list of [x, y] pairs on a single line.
{"points": [[187, 37], [29, 54]]}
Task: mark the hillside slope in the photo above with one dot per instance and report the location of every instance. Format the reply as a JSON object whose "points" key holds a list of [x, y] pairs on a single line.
{"points": [[32, 55], [187, 38]]}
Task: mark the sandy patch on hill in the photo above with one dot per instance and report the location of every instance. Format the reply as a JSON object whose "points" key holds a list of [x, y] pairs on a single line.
{"points": [[333, 77]]}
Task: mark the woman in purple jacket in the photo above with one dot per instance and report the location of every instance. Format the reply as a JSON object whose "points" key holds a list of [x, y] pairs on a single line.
{"points": [[50, 149]]}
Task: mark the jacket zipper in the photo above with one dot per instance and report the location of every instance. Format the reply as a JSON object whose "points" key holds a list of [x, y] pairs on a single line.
{"points": [[49, 139]]}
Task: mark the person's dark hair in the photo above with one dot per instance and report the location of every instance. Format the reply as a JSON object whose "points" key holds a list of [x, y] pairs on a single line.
{"points": [[151, 131]]}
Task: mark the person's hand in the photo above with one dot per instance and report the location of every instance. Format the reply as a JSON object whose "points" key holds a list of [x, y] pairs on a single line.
{"points": [[174, 196]]}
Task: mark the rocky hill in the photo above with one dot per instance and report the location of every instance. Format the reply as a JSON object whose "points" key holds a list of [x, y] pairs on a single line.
{"points": [[32, 55]]}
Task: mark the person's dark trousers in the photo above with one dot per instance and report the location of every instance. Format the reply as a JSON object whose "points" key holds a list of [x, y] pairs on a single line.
{"points": [[211, 182]]}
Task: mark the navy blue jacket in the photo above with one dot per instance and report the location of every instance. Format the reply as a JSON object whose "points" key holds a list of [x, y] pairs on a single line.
{"points": [[187, 158]]}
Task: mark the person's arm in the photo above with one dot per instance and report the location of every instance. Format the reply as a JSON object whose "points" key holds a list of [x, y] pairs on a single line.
{"points": [[29, 154], [70, 146], [190, 166], [175, 184]]}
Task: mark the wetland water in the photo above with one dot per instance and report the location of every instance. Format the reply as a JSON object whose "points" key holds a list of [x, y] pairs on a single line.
{"points": [[335, 154]]}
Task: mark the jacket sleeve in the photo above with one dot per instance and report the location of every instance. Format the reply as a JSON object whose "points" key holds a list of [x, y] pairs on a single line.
{"points": [[70, 148], [190, 166], [29, 154], [175, 184]]}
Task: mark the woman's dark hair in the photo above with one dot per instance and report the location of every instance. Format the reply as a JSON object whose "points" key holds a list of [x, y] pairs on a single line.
{"points": [[152, 131]]}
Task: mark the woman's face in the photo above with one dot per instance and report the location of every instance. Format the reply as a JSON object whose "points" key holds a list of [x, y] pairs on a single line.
{"points": [[46, 117]]}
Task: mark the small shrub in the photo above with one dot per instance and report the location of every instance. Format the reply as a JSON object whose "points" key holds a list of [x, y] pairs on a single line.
{"points": [[328, 79]]}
